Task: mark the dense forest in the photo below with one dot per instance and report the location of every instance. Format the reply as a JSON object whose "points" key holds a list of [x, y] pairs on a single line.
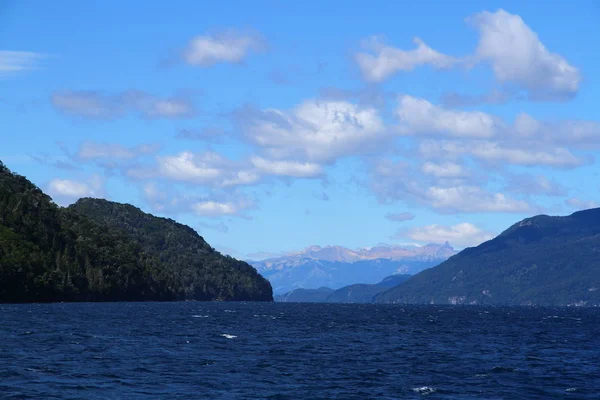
{"points": [[96, 250], [541, 260]]}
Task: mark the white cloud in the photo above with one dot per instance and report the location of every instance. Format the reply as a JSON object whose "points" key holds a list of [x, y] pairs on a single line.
{"points": [[393, 181], [211, 168], [381, 61], [17, 61], [66, 191], [187, 166], [167, 108], [230, 47], [287, 168], [527, 141], [513, 50], [165, 198], [444, 170], [581, 204], [91, 150], [241, 178], [461, 235], [517, 55], [214, 209], [418, 116], [472, 199], [496, 152], [400, 217], [98, 105], [319, 131], [208, 168]]}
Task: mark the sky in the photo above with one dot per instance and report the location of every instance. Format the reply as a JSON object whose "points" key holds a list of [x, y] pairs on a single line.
{"points": [[269, 126]]}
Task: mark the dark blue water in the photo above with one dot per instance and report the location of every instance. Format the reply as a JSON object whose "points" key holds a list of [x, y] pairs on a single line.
{"points": [[291, 351]]}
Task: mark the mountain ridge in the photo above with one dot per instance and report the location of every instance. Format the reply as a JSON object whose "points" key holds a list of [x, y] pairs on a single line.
{"points": [[303, 270], [97, 250], [541, 260], [355, 293]]}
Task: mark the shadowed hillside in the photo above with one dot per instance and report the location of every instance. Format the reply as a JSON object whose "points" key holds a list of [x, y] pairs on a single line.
{"points": [[541, 260], [96, 250]]}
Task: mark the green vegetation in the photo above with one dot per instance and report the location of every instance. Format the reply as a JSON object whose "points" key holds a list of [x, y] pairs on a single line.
{"points": [[305, 296], [365, 293], [539, 261], [357, 293], [96, 250]]}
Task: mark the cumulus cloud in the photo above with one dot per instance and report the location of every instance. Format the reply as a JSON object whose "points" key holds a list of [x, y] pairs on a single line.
{"points": [[207, 168], [213, 208], [514, 51], [527, 141], [230, 46], [517, 56], [287, 168], [219, 208], [418, 116], [461, 235], [400, 217], [317, 131], [473, 199], [67, 191], [379, 61], [103, 106], [210, 168], [12, 62], [444, 170], [398, 181], [196, 168], [164, 198]]}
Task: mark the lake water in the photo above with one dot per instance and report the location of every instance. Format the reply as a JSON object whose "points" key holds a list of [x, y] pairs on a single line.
{"points": [[290, 351]]}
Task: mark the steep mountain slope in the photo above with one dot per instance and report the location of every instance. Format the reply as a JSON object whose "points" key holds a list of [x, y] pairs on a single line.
{"points": [[319, 295], [340, 267], [357, 293], [365, 293], [541, 260], [48, 253]]}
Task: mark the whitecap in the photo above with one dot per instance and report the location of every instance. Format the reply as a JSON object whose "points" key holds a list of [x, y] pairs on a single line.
{"points": [[424, 390], [228, 336], [200, 316]]}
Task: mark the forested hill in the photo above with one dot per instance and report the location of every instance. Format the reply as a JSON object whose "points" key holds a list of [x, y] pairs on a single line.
{"points": [[541, 260], [96, 250]]}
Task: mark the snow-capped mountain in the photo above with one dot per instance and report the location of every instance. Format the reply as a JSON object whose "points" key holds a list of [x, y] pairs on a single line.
{"points": [[337, 266]]}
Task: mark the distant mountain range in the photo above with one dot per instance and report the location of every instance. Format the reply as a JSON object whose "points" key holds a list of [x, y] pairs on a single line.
{"points": [[541, 260], [335, 267], [357, 293]]}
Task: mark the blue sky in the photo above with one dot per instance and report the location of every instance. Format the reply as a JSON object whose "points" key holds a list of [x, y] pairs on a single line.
{"points": [[270, 126]]}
